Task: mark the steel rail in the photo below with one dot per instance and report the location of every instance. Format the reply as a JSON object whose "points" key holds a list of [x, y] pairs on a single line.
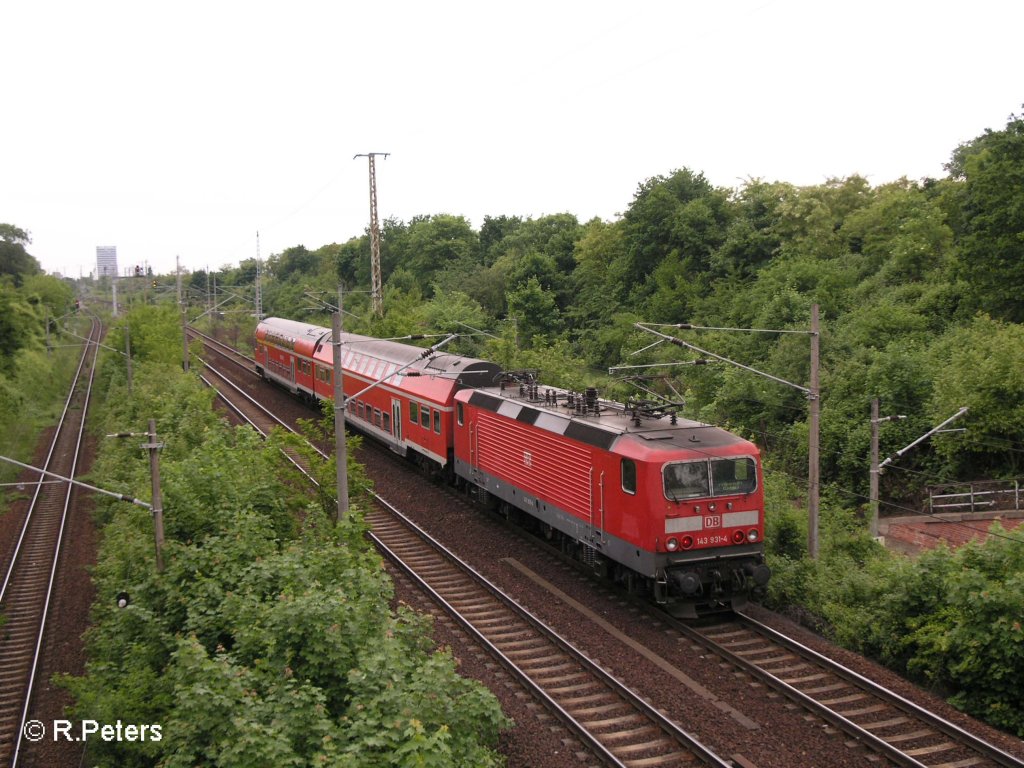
{"points": [[967, 738], [46, 465], [225, 350], [823, 710], [672, 729], [91, 347], [245, 417]]}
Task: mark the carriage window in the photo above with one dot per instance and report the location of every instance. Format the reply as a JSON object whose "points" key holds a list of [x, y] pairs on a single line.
{"points": [[437, 421], [687, 480], [414, 412], [385, 423], [629, 476], [459, 413], [425, 416], [376, 416], [731, 476]]}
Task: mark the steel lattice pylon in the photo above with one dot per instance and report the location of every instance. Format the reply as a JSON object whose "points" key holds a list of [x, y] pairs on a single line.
{"points": [[376, 290]]}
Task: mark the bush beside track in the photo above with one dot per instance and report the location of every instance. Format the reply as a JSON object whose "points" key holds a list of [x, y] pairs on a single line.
{"points": [[265, 642]]}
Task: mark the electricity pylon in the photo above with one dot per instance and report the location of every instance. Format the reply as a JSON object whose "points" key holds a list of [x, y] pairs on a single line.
{"points": [[376, 292]]}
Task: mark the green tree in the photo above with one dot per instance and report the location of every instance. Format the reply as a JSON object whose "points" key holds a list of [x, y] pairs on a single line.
{"points": [[535, 312], [992, 210], [14, 259], [682, 213], [297, 260], [901, 232], [752, 238], [598, 279], [493, 231], [981, 366], [432, 242], [18, 324]]}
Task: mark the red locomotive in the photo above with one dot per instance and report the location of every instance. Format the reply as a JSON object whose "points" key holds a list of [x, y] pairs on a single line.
{"points": [[665, 505]]}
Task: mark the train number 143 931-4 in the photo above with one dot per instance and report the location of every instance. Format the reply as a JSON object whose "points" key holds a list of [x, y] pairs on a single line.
{"points": [[713, 539]]}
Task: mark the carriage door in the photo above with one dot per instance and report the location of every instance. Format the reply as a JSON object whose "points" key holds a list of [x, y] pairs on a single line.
{"points": [[597, 506], [396, 419]]}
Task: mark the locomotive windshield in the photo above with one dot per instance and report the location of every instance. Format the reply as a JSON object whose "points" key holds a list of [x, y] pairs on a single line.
{"points": [[704, 478]]}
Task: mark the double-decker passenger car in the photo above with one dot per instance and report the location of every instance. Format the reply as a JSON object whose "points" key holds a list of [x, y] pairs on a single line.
{"points": [[409, 410]]}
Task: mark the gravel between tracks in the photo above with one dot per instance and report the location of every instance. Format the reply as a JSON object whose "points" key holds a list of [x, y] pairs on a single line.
{"points": [[783, 738], [63, 652]]}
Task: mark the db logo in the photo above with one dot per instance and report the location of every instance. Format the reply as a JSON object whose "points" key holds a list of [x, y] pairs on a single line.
{"points": [[527, 459], [713, 521]]}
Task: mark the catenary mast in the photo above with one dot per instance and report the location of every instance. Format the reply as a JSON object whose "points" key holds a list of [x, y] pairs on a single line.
{"points": [[376, 291]]}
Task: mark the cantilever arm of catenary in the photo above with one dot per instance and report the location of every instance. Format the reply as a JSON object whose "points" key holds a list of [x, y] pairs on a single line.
{"points": [[428, 352], [121, 496]]}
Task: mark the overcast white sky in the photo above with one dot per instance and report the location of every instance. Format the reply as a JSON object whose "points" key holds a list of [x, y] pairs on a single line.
{"points": [[182, 129]]}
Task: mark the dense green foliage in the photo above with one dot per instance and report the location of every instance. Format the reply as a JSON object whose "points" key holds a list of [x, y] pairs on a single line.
{"points": [[953, 621], [264, 643], [35, 366], [919, 287]]}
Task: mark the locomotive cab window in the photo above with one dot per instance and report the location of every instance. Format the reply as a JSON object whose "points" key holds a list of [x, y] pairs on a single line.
{"points": [[733, 476], [629, 476], [459, 415], [687, 480]]}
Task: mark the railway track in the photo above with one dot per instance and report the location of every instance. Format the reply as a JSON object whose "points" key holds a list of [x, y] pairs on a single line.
{"points": [[223, 350], [880, 721], [250, 411], [615, 723], [31, 569], [870, 714]]}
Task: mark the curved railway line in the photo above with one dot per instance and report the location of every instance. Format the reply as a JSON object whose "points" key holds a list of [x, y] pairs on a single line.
{"points": [[886, 724], [614, 722], [874, 716], [30, 570]]}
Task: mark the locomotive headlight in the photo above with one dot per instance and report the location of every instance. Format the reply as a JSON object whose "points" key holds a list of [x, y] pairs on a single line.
{"points": [[672, 544], [752, 535]]}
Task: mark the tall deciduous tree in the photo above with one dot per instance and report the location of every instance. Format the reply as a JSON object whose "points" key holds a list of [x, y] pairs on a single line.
{"points": [[681, 214], [14, 259], [431, 243], [535, 312], [992, 200]]}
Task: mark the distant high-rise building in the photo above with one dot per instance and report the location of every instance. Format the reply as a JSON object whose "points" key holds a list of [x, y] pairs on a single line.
{"points": [[106, 261]]}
